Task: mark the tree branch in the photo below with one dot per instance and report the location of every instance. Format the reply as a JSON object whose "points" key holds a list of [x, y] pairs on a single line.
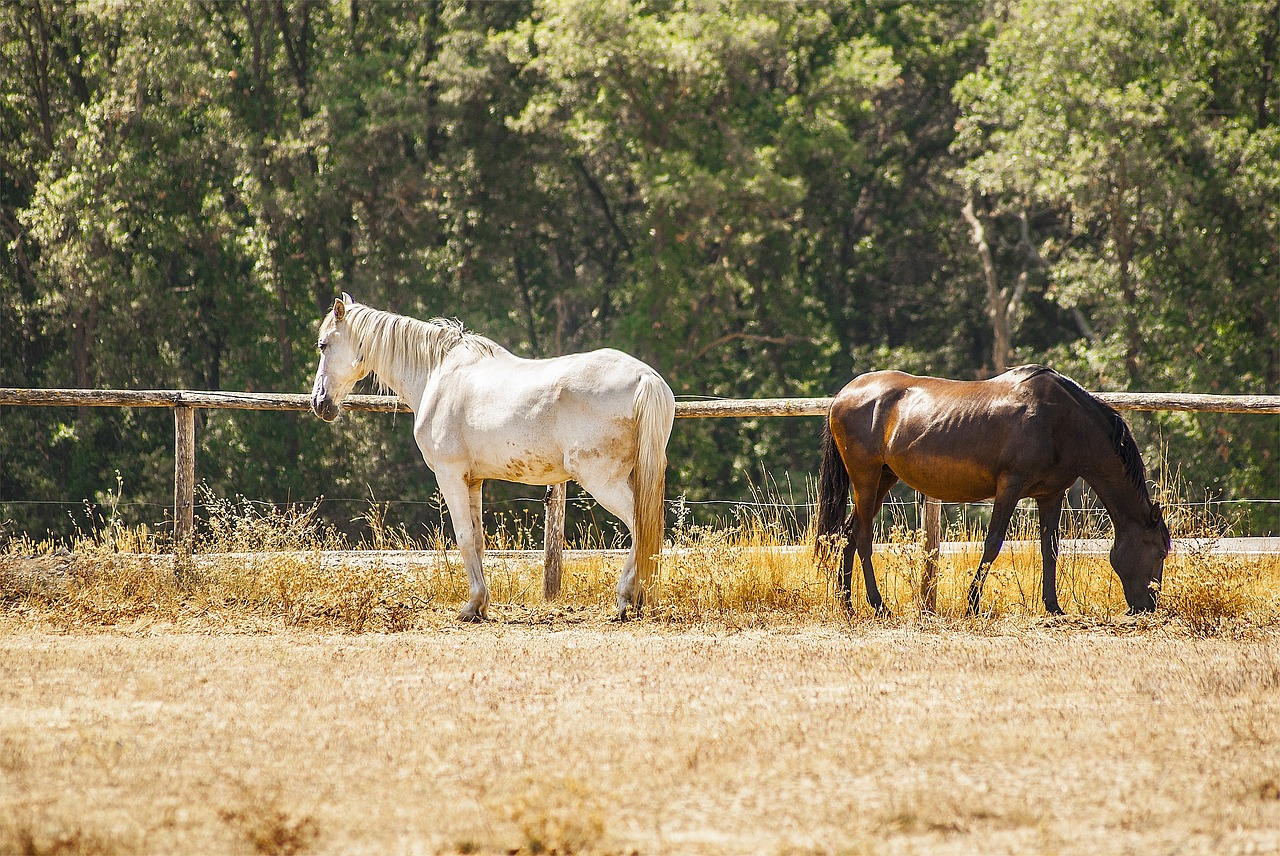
{"points": [[598, 192], [997, 305], [787, 339]]}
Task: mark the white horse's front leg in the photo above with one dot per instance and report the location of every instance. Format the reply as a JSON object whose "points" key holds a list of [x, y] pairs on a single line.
{"points": [[475, 498], [458, 497]]}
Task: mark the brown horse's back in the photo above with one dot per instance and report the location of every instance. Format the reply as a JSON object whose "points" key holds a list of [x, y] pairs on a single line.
{"points": [[956, 440]]}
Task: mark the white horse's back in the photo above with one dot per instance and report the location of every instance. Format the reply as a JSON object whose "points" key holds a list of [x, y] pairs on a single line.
{"points": [[537, 421]]}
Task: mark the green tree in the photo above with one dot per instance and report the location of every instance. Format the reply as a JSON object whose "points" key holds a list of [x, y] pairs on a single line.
{"points": [[760, 199], [750, 164], [1145, 135]]}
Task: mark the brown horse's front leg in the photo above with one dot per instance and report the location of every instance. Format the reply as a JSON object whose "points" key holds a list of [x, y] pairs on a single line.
{"points": [[1001, 514], [1050, 518]]}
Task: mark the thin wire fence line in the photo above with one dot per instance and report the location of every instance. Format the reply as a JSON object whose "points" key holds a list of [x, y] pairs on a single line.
{"points": [[532, 500], [184, 402]]}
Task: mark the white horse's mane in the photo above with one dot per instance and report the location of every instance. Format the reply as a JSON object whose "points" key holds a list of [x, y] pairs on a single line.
{"points": [[393, 344]]}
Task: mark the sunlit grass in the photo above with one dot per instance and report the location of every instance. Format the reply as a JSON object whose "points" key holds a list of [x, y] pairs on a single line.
{"points": [[664, 717], [259, 568]]}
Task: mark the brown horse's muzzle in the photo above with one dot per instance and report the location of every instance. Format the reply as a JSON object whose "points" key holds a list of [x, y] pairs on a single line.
{"points": [[1142, 599], [1145, 604]]}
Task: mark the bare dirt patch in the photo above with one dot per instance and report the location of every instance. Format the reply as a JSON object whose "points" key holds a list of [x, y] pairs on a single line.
{"points": [[907, 737], [268, 696]]}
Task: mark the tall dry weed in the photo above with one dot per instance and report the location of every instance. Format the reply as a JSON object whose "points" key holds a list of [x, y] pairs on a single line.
{"points": [[259, 567], [271, 830], [242, 526], [558, 817], [1219, 595]]}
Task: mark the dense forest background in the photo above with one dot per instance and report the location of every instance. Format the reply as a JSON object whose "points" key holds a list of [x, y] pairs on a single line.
{"points": [[761, 199]]}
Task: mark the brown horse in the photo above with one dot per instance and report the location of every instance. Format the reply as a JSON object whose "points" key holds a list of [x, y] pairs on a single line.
{"points": [[1029, 432]]}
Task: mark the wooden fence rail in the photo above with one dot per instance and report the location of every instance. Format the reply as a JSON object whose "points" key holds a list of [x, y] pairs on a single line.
{"points": [[185, 402], [734, 407]]}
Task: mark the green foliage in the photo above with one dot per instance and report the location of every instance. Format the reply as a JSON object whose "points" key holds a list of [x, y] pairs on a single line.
{"points": [[1109, 115], [760, 199]]}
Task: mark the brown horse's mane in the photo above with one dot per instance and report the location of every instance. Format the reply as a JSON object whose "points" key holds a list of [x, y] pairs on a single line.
{"points": [[1126, 448]]}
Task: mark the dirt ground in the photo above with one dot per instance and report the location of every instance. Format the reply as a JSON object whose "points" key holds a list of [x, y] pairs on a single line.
{"points": [[905, 737]]}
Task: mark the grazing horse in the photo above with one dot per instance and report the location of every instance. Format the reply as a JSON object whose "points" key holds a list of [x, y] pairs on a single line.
{"points": [[601, 418], [1029, 432]]}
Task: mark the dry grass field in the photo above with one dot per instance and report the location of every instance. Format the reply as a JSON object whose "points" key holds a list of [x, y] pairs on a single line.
{"points": [[277, 703]]}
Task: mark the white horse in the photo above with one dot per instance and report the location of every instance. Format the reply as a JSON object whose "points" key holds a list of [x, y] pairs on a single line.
{"points": [[601, 418]]}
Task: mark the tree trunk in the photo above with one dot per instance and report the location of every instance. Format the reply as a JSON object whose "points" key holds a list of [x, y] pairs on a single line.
{"points": [[997, 306]]}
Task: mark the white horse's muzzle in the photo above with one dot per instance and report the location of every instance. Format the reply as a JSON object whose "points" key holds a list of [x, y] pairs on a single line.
{"points": [[324, 407]]}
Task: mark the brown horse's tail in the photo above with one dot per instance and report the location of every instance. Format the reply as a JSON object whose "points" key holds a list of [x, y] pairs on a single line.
{"points": [[655, 411], [833, 497]]}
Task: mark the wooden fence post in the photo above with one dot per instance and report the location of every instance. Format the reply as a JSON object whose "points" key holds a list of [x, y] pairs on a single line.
{"points": [[554, 541], [184, 402], [184, 477], [932, 540]]}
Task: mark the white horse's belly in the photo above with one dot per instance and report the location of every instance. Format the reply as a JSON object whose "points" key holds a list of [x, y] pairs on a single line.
{"points": [[608, 456], [524, 466]]}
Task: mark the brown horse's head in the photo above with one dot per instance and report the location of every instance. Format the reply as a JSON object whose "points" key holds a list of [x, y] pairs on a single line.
{"points": [[1138, 559]]}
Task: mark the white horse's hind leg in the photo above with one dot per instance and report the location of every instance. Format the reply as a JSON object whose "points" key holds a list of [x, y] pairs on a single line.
{"points": [[458, 497], [618, 499]]}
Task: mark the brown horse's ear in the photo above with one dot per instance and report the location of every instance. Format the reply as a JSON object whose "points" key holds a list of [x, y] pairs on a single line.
{"points": [[339, 309]]}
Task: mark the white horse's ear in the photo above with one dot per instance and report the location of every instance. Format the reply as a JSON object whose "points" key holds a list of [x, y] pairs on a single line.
{"points": [[339, 309]]}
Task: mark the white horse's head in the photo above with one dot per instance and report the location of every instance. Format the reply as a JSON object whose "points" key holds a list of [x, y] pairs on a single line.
{"points": [[341, 364]]}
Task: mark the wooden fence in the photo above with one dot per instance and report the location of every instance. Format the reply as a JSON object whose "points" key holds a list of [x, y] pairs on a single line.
{"points": [[184, 404]]}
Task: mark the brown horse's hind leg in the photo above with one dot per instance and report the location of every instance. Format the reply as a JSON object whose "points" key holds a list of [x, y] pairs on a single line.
{"points": [[844, 582], [860, 540], [859, 531], [1050, 518], [1001, 514]]}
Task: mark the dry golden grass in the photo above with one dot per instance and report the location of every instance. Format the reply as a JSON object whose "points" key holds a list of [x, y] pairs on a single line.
{"points": [[288, 702], [871, 738], [257, 572]]}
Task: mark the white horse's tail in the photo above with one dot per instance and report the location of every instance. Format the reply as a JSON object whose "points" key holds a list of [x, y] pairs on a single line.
{"points": [[654, 411]]}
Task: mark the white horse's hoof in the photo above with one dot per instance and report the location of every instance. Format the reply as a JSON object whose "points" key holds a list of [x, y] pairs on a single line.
{"points": [[628, 604], [627, 610]]}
